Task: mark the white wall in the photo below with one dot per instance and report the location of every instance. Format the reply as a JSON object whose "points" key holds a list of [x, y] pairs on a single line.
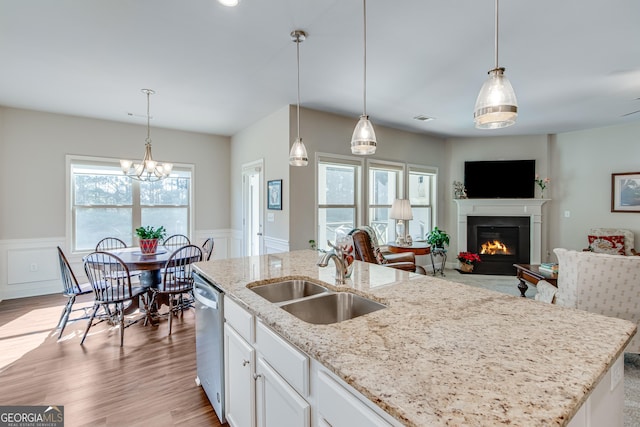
{"points": [[582, 164], [33, 146], [267, 139]]}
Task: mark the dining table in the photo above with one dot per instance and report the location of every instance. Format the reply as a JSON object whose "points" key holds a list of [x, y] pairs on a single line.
{"points": [[149, 265]]}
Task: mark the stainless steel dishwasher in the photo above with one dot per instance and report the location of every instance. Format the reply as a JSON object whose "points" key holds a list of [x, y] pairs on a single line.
{"points": [[210, 342]]}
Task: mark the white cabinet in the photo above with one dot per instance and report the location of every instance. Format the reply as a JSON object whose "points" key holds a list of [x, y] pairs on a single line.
{"points": [[270, 383], [239, 363], [277, 403], [338, 407]]}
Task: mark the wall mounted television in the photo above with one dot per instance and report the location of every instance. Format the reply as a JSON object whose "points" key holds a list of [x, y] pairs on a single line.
{"points": [[500, 179]]}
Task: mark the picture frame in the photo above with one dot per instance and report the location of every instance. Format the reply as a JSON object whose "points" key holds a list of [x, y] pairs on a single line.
{"points": [[625, 192], [274, 194]]}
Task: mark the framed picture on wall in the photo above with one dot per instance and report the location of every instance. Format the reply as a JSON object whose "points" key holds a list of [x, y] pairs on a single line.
{"points": [[625, 192], [274, 194]]}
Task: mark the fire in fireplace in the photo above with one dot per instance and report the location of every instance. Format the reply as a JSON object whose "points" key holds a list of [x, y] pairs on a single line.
{"points": [[495, 247], [501, 241]]}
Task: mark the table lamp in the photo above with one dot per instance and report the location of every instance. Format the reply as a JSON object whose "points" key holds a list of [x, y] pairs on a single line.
{"points": [[401, 211]]}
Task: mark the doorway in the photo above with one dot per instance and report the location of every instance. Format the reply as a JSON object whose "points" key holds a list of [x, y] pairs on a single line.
{"points": [[253, 207]]}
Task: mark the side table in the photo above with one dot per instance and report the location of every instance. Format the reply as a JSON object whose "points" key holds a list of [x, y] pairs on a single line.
{"points": [[438, 252]]}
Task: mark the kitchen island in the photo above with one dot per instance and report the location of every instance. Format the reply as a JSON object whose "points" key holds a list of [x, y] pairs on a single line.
{"points": [[441, 353]]}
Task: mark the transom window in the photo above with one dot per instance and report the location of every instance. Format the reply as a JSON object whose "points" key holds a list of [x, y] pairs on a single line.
{"points": [[104, 203]]}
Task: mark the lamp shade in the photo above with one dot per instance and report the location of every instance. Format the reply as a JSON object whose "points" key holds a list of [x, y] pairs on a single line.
{"points": [[401, 209], [363, 141], [496, 105], [298, 154]]}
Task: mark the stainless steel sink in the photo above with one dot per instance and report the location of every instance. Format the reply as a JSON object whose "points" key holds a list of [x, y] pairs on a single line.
{"points": [[332, 308], [288, 290]]}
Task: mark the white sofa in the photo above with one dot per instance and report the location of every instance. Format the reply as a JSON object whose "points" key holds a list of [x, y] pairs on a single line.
{"points": [[601, 283]]}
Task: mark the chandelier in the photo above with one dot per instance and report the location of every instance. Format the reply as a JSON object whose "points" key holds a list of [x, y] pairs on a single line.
{"points": [[148, 169]]}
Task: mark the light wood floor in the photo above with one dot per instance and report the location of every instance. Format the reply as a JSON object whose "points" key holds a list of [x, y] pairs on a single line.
{"points": [[150, 381]]}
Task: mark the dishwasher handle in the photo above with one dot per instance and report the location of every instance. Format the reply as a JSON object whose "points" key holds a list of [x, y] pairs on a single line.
{"points": [[205, 301]]}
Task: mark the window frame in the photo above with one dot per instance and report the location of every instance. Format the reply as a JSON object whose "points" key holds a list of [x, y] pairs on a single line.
{"points": [[401, 185], [136, 206], [433, 202], [338, 159]]}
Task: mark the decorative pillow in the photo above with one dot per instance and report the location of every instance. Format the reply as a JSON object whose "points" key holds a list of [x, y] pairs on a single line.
{"points": [[379, 257], [613, 245]]}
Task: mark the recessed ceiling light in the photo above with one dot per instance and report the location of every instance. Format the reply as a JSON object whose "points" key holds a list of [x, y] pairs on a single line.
{"points": [[230, 3], [423, 118]]}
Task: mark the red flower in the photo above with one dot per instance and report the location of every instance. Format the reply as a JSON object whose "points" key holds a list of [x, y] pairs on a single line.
{"points": [[468, 257]]}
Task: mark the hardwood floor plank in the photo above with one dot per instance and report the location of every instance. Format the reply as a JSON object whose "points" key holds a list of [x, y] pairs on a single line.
{"points": [[150, 381]]}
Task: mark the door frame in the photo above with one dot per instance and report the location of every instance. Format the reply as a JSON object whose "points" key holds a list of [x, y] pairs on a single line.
{"points": [[250, 169]]}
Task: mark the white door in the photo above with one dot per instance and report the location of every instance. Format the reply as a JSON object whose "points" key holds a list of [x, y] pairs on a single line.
{"points": [[253, 208]]}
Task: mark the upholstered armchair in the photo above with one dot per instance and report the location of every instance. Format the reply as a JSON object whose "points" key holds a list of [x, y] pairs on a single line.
{"points": [[600, 283], [388, 256], [365, 251]]}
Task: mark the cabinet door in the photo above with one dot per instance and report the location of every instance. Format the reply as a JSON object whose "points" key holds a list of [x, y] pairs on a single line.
{"points": [[240, 389], [278, 404]]}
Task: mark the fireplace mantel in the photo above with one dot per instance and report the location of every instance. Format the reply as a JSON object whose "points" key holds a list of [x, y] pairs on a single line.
{"points": [[503, 207]]}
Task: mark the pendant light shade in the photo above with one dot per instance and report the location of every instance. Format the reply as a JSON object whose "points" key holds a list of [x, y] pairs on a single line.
{"points": [[363, 141], [298, 154], [496, 105]]}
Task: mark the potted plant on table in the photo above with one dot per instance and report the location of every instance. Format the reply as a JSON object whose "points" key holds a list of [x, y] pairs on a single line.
{"points": [[437, 238], [467, 261], [149, 238]]}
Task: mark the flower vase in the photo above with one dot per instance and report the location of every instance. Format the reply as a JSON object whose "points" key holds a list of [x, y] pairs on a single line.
{"points": [[148, 246], [466, 268]]}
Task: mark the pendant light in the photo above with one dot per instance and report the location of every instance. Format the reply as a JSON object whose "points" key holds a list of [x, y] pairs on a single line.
{"points": [[363, 141], [496, 106], [298, 153], [148, 169]]}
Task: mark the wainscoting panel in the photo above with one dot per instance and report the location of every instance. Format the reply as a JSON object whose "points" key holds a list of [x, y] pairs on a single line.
{"points": [[274, 246], [29, 267]]}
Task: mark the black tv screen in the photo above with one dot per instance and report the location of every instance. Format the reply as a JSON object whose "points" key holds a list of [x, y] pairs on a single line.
{"points": [[500, 179]]}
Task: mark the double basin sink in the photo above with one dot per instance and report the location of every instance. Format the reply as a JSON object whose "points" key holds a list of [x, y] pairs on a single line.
{"points": [[314, 303]]}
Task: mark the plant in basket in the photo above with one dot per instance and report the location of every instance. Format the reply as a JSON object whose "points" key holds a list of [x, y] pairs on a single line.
{"points": [[468, 260], [149, 238]]}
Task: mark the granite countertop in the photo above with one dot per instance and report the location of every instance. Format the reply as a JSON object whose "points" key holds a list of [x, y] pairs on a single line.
{"points": [[441, 353]]}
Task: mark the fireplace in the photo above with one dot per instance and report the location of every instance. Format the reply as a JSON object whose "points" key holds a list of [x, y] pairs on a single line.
{"points": [[501, 241], [531, 209]]}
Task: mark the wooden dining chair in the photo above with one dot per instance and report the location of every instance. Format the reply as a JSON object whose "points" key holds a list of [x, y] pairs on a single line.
{"points": [[70, 289], [207, 248], [111, 283], [110, 244], [177, 280], [176, 241]]}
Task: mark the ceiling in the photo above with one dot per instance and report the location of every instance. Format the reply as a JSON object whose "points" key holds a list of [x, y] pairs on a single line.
{"points": [[573, 64]]}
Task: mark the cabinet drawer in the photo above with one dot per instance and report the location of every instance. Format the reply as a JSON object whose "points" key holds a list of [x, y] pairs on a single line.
{"points": [[289, 362], [239, 318], [340, 408]]}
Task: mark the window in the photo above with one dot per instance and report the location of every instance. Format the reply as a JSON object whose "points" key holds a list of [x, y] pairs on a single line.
{"points": [[104, 203], [385, 185], [422, 184], [338, 194]]}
